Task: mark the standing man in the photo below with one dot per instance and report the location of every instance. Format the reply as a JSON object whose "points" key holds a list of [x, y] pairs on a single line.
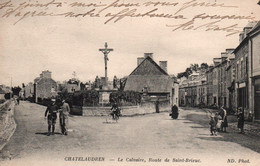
{"points": [[51, 114], [157, 110], [240, 119], [64, 112]]}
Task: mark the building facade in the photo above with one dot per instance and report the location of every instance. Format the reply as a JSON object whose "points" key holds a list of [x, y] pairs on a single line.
{"points": [[44, 86], [152, 80], [29, 90], [254, 71], [243, 77]]}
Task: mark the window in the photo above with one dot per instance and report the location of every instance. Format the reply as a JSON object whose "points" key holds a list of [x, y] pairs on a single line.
{"points": [[247, 65], [242, 69], [237, 70]]}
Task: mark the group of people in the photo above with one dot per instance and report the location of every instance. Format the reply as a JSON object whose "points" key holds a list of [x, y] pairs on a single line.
{"points": [[218, 122], [51, 115]]}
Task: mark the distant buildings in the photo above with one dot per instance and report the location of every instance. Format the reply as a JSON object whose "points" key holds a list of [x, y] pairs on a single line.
{"points": [[29, 90], [72, 85], [4, 90], [193, 90], [2, 94]]}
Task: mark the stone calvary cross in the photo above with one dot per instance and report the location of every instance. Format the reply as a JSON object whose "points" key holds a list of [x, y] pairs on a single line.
{"points": [[106, 51]]}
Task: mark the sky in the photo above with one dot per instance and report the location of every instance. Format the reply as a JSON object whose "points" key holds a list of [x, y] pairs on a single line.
{"points": [[63, 45]]}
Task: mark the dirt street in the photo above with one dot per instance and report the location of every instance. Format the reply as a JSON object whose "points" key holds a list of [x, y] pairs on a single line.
{"points": [[142, 140]]}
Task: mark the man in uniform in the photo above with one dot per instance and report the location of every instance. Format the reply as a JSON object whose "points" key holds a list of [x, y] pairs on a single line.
{"points": [[51, 114], [64, 112]]}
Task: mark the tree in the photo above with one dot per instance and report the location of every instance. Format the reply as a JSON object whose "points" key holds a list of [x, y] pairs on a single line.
{"points": [[194, 67], [82, 86], [204, 66], [16, 90]]}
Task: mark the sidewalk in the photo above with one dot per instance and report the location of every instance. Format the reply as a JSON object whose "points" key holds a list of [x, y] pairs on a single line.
{"points": [[250, 128]]}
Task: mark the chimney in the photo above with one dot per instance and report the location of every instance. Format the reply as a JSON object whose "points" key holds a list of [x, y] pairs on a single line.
{"points": [[241, 37], [46, 74], [230, 50], [224, 56], [139, 60], [148, 54], [163, 65], [216, 61], [246, 30]]}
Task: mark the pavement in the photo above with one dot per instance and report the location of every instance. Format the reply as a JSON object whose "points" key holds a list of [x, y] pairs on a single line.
{"points": [[142, 140]]}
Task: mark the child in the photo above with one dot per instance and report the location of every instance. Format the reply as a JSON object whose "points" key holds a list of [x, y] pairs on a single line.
{"points": [[212, 124], [218, 121]]}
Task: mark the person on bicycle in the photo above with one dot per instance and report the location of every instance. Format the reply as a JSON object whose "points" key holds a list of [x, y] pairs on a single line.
{"points": [[115, 110]]}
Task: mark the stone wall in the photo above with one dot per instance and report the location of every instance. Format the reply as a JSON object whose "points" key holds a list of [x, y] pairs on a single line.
{"points": [[148, 108], [7, 123]]}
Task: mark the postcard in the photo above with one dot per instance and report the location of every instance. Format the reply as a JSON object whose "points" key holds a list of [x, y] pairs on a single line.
{"points": [[129, 82]]}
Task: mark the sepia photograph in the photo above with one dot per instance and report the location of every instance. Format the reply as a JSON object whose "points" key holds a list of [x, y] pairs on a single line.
{"points": [[129, 82]]}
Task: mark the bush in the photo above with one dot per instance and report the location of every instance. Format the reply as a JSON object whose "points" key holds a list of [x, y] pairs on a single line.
{"points": [[7, 96], [125, 97], [91, 97]]}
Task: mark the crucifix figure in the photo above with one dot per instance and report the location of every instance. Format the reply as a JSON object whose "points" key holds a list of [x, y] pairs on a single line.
{"points": [[74, 74], [106, 51]]}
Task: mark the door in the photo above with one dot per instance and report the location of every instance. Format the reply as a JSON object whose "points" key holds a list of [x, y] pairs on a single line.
{"points": [[257, 99], [257, 106]]}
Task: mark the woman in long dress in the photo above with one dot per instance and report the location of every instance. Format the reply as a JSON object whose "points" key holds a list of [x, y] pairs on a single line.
{"points": [[223, 114]]}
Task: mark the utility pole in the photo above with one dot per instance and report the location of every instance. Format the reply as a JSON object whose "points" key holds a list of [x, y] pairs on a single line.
{"points": [[106, 51]]}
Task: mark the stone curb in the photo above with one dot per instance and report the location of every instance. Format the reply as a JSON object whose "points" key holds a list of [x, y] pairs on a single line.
{"points": [[9, 128]]}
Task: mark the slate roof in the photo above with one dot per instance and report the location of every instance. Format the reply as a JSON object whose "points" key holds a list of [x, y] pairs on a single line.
{"points": [[148, 67], [149, 74], [46, 79], [155, 84]]}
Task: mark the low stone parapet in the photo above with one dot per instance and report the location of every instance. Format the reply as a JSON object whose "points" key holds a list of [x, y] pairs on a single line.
{"points": [[125, 111], [7, 122]]}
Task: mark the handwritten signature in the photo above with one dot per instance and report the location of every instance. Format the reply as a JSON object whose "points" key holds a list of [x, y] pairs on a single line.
{"points": [[119, 10], [211, 26]]}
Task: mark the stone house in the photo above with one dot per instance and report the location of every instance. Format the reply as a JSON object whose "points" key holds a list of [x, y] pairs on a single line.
{"points": [[44, 86], [152, 80]]}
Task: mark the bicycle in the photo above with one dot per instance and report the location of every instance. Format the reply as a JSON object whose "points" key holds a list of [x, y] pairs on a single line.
{"points": [[114, 115]]}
